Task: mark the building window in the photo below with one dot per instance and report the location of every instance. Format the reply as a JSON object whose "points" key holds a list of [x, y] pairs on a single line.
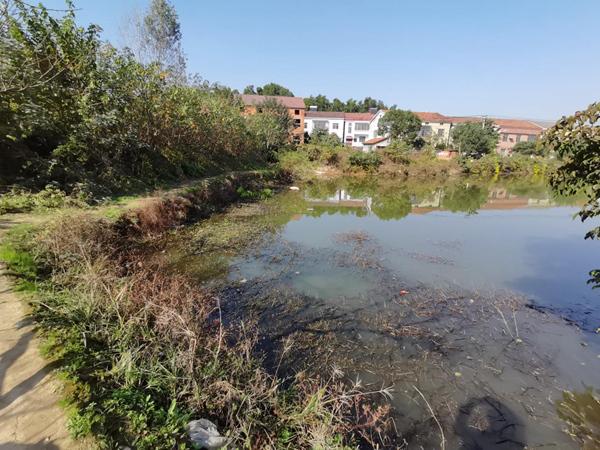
{"points": [[426, 131], [440, 132], [504, 137], [297, 112], [349, 128], [321, 124], [362, 126], [334, 126], [361, 138], [532, 138], [297, 123]]}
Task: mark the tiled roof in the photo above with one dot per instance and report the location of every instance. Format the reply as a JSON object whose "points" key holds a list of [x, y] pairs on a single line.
{"points": [[432, 117], [518, 126], [463, 119], [509, 126], [288, 102], [325, 114], [366, 117], [376, 140]]}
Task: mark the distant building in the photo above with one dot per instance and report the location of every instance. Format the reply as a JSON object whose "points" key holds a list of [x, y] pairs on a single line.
{"points": [[353, 129], [294, 105], [435, 127], [361, 130], [329, 121], [513, 131]]}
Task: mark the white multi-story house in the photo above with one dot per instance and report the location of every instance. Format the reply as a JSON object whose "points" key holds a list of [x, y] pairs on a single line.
{"points": [[353, 129], [332, 122]]}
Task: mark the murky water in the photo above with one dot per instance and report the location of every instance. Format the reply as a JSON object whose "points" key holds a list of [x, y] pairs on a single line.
{"points": [[429, 288]]}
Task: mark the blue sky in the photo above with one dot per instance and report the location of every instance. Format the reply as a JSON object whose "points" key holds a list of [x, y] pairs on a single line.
{"points": [[520, 58]]}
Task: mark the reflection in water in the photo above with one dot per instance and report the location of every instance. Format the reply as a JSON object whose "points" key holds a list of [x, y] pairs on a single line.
{"points": [[394, 202]]}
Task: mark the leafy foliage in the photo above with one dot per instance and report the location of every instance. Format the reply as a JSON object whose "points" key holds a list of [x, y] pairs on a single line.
{"points": [[528, 148], [76, 110], [474, 139], [366, 161], [269, 89], [161, 33], [351, 105], [400, 124], [576, 140], [322, 137], [270, 127]]}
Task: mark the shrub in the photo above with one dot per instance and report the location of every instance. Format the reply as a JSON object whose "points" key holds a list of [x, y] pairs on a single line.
{"points": [[365, 161], [19, 200]]}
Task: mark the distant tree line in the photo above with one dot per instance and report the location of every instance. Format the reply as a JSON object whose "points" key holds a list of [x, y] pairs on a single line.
{"points": [[320, 101], [351, 105]]}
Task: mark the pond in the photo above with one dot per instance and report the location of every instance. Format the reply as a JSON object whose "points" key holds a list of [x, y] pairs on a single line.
{"points": [[467, 299]]}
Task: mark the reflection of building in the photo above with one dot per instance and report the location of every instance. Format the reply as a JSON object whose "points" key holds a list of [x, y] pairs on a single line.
{"points": [[498, 198], [294, 105], [342, 198], [501, 198]]}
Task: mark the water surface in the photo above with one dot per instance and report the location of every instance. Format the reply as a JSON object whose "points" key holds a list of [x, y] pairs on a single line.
{"points": [[456, 289]]}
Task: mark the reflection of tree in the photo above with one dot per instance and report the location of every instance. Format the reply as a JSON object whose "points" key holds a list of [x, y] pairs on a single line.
{"points": [[464, 197], [318, 211], [391, 206], [322, 188]]}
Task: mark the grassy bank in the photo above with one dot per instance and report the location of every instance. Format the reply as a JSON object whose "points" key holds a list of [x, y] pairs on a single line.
{"points": [[308, 160], [142, 349]]}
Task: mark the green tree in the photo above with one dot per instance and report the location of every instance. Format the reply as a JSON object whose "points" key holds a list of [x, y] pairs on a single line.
{"points": [[250, 90], [338, 105], [320, 101], [529, 148], [271, 127], [576, 140], [161, 34], [400, 124], [475, 139], [322, 137], [274, 89]]}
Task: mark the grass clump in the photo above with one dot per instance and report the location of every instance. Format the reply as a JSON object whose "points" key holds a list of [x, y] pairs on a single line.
{"points": [[143, 349], [20, 200]]}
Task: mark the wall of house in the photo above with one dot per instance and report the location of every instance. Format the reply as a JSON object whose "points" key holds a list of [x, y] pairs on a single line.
{"points": [[331, 125], [297, 115], [374, 125], [357, 136], [436, 131], [509, 139]]}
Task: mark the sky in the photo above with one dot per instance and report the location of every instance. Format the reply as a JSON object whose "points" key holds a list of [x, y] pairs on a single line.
{"points": [[537, 59]]}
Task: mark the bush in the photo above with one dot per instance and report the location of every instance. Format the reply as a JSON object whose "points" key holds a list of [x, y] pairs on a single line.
{"points": [[321, 137], [365, 161], [19, 200]]}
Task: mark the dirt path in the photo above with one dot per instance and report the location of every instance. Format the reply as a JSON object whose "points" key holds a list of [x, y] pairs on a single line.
{"points": [[30, 417]]}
